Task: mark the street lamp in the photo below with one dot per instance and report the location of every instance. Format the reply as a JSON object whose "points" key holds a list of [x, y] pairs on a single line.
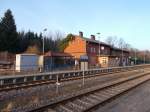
{"points": [[99, 43], [116, 62], [135, 57], [43, 38], [122, 56], [99, 47], [43, 46], [129, 60], [144, 57]]}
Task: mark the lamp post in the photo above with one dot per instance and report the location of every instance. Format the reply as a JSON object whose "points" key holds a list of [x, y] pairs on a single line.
{"points": [[99, 43], [144, 57], [135, 57], [43, 46], [43, 39], [99, 47], [116, 61], [122, 55], [129, 60]]}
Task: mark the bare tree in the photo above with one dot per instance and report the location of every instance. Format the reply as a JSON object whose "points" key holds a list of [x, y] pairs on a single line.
{"points": [[121, 43], [58, 35], [111, 40], [127, 46], [139, 56], [117, 42]]}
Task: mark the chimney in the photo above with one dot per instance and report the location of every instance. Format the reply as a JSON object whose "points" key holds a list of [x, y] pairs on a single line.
{"points": [[93, 37], [80, 34]]}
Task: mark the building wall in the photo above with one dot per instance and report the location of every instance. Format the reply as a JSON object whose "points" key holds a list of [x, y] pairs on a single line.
{"points": [[93, 49], [103, 61], [93, 53], [76, 47], [5, 56], [113, 61], [107, 57], [107, 61], [93, 61]]}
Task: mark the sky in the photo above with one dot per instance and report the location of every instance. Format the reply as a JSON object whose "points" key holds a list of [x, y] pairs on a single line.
{"points": [[127, 19]]}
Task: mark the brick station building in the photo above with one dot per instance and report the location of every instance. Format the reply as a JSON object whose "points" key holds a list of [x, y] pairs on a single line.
{"points": [[99, 53]]}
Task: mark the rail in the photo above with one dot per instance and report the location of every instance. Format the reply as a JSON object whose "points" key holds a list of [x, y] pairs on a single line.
{"points": [[90, 99]]}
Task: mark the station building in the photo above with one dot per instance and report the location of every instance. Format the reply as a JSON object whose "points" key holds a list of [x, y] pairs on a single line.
{"points": [[98, 53]]}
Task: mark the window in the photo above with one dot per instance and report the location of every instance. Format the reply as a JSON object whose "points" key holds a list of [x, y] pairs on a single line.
{"points": [[91, 49], [104, 61], [94, 50]]}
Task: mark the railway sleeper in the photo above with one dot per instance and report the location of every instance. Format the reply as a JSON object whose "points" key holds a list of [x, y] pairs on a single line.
{"points": [[106, 94], [103, 96], [75, 107], [50, 110], [100, 96], [90, 99], [116, 90], [110, 91], [96, 97], [62, 108], [81, 103]]}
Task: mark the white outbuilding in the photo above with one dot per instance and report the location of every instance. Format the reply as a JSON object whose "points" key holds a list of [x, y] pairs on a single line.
{"points": [[27, 62]]}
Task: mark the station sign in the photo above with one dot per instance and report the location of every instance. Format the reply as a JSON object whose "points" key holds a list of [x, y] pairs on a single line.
{"points": [[84, 58]]}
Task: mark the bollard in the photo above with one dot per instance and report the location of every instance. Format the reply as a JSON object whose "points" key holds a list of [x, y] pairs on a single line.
{"points": [[83, 80], [2, 82], [25, 79], [43, 77], [57, 84], [74, 74], [34, 78], [50, 77], [14, 81]]}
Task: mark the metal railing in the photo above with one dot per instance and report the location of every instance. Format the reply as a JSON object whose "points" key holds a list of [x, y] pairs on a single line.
{"points": [[61, 75]]}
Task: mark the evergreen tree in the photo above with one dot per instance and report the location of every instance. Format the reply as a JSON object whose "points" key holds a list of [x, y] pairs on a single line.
{"points": [[8, 35], [18, 42]]}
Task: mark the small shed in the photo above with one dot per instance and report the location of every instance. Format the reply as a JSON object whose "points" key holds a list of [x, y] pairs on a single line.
{"points": [[58, 60], [27, 62]]}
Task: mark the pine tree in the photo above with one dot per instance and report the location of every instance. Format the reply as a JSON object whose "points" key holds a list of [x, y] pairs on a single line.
{"points": [[8, 35]]}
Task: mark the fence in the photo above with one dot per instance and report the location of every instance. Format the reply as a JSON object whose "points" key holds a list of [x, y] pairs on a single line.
{"points": [[61, 75]]}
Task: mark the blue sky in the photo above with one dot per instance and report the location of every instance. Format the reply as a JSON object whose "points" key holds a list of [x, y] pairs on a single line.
{"points": [[128, 19]]}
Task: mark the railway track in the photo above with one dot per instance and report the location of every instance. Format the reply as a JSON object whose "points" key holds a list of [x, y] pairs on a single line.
{"points": [[9, 87], [90, 99]]}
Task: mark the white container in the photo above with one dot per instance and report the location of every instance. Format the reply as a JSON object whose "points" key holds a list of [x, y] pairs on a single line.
{"points": [[27, 62]]}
